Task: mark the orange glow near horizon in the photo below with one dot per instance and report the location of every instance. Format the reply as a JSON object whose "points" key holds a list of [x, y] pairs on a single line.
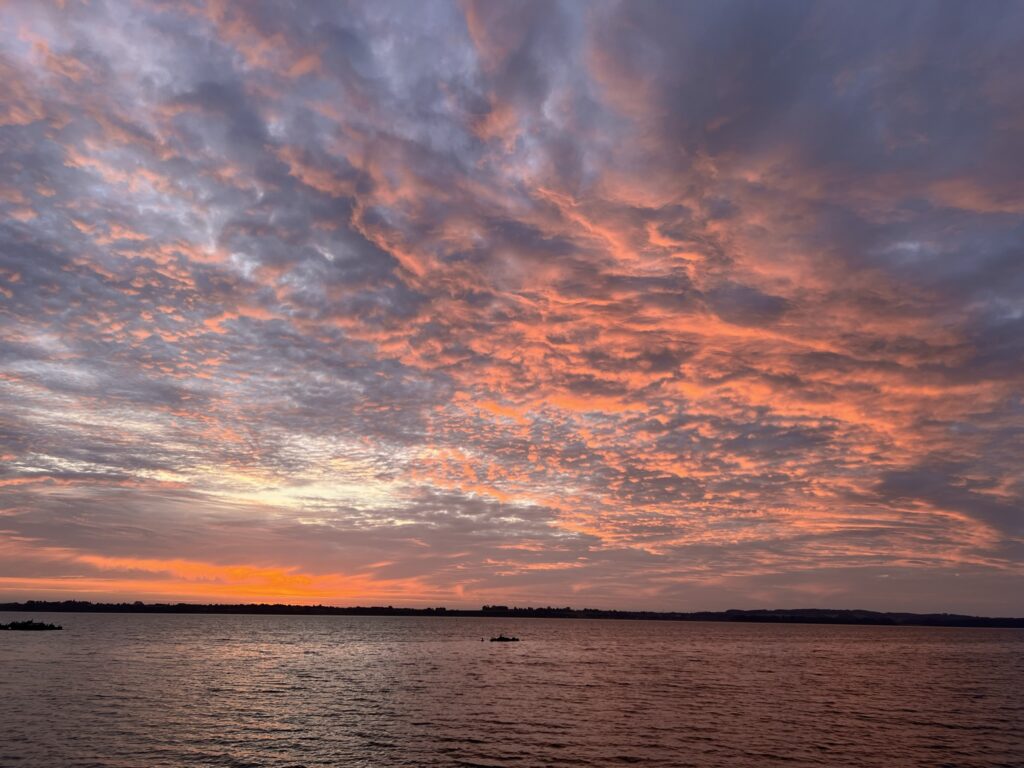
{"points": [[192, 580], [589, 307]]}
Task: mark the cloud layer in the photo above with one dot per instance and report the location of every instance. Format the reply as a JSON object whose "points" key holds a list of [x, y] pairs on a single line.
{"points": [[642, 304]]}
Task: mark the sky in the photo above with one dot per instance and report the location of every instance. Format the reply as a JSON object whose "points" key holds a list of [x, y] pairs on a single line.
{"points": [[678, 306]]}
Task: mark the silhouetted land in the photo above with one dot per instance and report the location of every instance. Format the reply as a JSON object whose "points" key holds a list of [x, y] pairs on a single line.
{"points": [[30, 626], [777, 616]]}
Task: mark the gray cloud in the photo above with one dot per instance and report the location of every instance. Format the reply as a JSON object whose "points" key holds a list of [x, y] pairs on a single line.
{"points": [[625, 301]]}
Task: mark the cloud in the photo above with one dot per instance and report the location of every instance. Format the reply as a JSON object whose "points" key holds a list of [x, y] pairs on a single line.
{"points": [[620, 303]]}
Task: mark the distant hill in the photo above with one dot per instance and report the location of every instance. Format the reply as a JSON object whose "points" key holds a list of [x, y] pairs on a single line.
{"points": [[774, 616]]}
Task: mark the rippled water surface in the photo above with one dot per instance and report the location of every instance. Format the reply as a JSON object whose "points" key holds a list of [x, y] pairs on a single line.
{"points": [[177, 690]]}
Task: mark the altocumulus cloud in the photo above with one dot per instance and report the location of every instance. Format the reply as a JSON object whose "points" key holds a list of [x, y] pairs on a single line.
{"points": [[656, 304]]}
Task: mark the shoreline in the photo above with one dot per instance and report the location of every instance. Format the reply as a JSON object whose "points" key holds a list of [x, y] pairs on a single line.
{"points": [[825, 616]]}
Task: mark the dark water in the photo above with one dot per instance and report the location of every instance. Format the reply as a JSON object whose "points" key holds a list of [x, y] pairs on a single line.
{"points": [[136, 690]]}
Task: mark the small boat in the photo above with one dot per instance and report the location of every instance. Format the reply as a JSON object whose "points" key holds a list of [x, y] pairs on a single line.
{"points": [[502, 639]]}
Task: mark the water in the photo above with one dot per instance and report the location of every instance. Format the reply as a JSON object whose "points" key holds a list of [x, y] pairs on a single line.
{"points": [[177, 690]]}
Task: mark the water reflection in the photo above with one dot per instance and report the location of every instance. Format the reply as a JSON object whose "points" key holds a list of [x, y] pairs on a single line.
{"points": [[166, 690]]}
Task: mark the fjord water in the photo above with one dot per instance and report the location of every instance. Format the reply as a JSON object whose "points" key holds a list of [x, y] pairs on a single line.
{"points": [[181, 690]]}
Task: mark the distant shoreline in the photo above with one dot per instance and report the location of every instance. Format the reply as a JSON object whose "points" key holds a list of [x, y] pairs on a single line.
{"points": [[776, 616]]}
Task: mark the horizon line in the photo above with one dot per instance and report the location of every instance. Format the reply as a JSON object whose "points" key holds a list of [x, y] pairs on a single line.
{"points": [[751, 615]]}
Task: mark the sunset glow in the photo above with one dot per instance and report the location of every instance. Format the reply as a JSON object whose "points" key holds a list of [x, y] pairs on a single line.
{"points": [[677, 306]]}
